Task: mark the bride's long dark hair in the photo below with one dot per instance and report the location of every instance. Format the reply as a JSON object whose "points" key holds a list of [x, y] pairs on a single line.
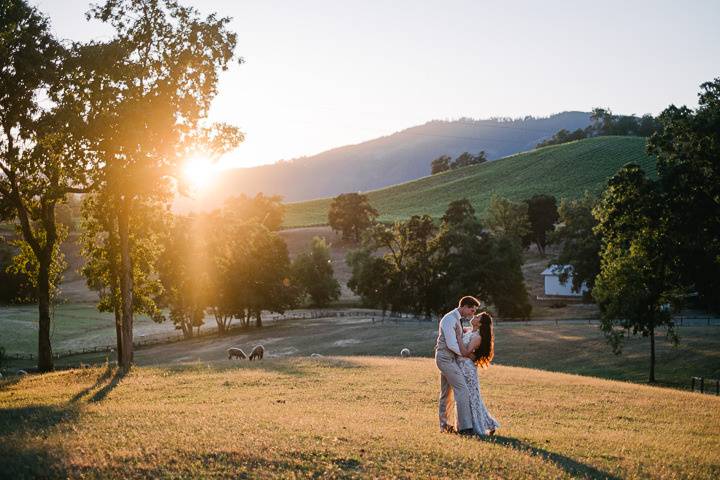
{"points": [[485, 352]]}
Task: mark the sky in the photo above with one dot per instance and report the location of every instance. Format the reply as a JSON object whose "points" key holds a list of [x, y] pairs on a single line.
{"points": [[320, 74]]}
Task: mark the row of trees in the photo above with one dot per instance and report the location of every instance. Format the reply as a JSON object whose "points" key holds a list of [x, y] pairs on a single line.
{"points": [[230, 262], [418, 265], [444, 162], [604, 122]]}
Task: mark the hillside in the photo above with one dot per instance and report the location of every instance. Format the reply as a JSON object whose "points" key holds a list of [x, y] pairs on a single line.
{"points": [[396, 158], [344, 417], [562, 170]]}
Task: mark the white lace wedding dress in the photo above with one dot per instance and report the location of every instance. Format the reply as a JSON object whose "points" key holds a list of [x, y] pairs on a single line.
{"points": [[482, 421]]}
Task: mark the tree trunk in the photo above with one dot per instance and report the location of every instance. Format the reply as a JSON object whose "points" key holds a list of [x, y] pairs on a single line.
{"points": [[118, 332], [113, 267], [45, 360], [258, 319], [652, 355], [126, 282]]}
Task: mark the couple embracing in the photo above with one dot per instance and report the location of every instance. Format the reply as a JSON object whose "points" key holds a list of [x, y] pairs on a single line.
{"points": [[457, 355]]}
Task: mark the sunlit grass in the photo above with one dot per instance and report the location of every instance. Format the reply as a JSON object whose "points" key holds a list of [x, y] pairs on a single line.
{"points": [[345, 418]]}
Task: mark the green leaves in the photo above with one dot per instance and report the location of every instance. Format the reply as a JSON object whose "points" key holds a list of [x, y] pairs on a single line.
{"points": [[419, 267], [312, 272], [351, 214]]}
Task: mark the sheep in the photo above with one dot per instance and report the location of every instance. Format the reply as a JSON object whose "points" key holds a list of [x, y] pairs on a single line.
{"points": [[405, 352], [316, 355], [22, 372], [235, 352], [257, 352]]}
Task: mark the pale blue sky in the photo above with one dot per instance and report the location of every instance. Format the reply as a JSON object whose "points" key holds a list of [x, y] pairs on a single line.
{"points": [[321, 74]]}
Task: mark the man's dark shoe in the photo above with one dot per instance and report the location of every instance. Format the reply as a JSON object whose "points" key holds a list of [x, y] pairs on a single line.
{"points": [[468, 432], [447, 429]]}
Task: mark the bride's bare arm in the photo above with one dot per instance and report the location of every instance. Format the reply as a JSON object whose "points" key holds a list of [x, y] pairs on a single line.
{"points": [[472, 346], [463, 351]]}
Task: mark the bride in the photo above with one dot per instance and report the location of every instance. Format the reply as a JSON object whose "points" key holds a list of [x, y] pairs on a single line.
{"points": [[477, 347]]}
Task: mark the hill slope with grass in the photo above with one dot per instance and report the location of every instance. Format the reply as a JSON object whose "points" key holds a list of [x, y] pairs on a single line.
{"points": [[562, 170], [402, 156], [344, 417]]}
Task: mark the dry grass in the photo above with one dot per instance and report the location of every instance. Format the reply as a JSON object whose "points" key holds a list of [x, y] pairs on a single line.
{"points": [[345, 418]]}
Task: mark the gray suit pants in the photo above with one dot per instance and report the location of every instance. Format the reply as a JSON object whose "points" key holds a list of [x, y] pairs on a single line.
{"points": [[452, 383]]}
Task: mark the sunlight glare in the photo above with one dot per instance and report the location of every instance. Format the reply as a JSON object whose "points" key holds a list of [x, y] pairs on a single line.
{"points": [[199, 172]]}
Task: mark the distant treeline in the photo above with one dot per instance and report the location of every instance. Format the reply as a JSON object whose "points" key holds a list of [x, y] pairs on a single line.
{"points": [[605, 123]]}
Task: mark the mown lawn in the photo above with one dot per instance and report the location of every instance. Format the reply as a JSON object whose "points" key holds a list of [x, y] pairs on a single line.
{"points": [[352, 417]]}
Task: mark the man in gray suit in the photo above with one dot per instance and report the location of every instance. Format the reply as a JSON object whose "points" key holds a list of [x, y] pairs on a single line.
{"points": [[447, 350]]}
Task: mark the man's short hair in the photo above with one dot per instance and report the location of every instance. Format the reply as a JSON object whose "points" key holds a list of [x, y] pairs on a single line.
{"points": [[468, 301]]}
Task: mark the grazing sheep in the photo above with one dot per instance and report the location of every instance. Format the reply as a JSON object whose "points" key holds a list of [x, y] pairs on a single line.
{"points": [[405, 352], [257, 352], [235, 352], [22, 372], [316, 355]]}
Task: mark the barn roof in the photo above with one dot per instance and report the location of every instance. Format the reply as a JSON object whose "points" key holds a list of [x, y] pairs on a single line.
{"points": [[555, 270]]}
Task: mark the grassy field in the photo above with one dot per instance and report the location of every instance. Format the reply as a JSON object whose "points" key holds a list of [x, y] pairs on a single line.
{"points": [[569, 347], [351, 417], [75, 326], [562, 170]]}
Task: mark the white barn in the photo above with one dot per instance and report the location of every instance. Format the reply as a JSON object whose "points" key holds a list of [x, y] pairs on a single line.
{"points": [[553, 285]]}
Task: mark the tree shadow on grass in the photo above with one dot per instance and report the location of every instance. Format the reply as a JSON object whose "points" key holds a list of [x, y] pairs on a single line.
{"points": [[570, 466], [24, 455], [21, 461]]}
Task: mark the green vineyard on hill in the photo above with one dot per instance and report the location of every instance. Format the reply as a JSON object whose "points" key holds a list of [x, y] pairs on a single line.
{"points": [[565, 171]]}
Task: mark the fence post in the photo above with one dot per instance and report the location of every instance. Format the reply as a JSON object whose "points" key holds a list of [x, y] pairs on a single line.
{"points": [[692, 385], [717, 387], [702, 385]]}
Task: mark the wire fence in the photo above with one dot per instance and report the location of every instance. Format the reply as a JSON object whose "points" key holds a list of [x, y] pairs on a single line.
{"points": [[375, 316]]}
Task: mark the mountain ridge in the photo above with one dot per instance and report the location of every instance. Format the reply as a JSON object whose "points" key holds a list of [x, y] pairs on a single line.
{"points": [[396, 158]]}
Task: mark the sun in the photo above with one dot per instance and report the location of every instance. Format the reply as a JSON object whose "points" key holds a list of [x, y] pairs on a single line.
{"points": [[199, 172]]}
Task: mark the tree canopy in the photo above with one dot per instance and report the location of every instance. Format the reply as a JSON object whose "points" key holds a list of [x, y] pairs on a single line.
{"points": [[312, 273], [351, 214]]}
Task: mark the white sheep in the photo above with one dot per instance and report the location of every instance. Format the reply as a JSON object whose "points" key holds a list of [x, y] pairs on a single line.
{"points": [[405, 352], [235, 352], [257, 352], [316, 355]]}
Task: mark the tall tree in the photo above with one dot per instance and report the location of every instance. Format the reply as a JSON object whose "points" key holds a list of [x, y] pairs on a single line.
{"points": [[406, 267], [312, 272], [508, 218], [351, 214], [41, 159], [150, 89], [542, 214], [687, 147], [637, 276], [149, 223], [184, 271]]}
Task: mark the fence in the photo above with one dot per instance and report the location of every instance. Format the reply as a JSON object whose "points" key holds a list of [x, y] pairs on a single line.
{"points": [[698, 383]]}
